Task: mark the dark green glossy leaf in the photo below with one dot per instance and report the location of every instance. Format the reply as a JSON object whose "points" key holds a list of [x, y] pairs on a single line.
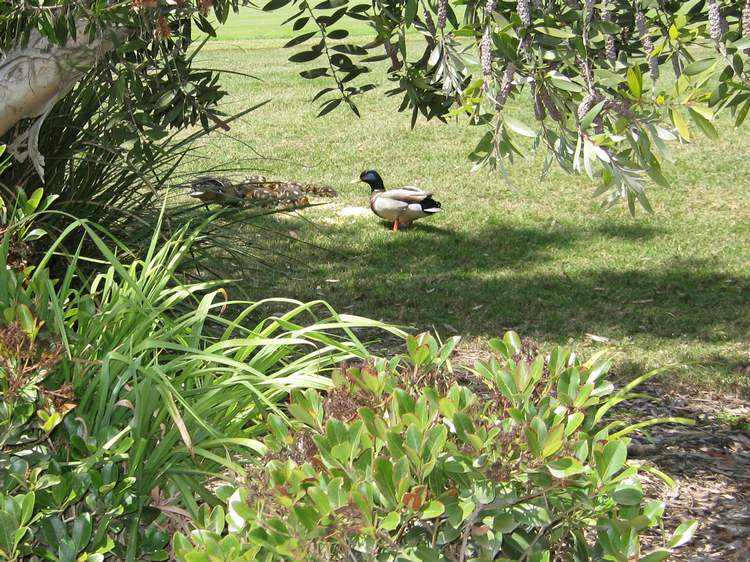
{"points": [[300, 39], [305, 56], [349, 50], [275, 5], [300, 23], [324, 91], [339, 34]]}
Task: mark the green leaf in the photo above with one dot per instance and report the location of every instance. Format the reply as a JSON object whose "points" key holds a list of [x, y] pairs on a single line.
{"points": [[463, 425], [275, 5], [565, 467], [591, 115], [431, 510], [555, 32], [679, 122], [607, 27], [329, 106], [306, 515], [7, 534], [657, 177], [562, 82], [703, 124], [53, 531], [300, 39], [611, 459], [348, 49], [27, 507], [518, 127], [36, 198], [305, 56], [532, 514], [698, 67], [339, 34], [390, 522], [166, 99], [742, 114], [512, 342], [320, 498], [656, 556], [628, 492], [81, 534], [410, 12], [683, 534], [26, 318], [300, 23], [635, 81], [342, 451], [299, 413]]}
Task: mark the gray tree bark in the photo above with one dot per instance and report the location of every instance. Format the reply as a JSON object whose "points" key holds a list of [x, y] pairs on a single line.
{"points": [[34, 78]]}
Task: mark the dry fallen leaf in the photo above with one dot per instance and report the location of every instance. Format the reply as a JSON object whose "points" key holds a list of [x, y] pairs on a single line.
{"points": [[594, 337]]}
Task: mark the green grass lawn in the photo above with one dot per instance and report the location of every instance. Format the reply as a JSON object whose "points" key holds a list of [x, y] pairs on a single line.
{"points": [[253, 23], [543, 260]]}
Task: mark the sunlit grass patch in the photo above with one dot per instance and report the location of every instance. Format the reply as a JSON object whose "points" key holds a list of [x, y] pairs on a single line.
{"points": [[542, 259]]}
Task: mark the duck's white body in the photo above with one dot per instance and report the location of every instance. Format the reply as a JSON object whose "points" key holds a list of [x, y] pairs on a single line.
{"points": [[403, 205]]}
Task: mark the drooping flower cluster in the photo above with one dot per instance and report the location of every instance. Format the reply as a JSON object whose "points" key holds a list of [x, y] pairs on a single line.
{"points": [[716, 23], [204, 6], [609, 47], [139, 5], [539, 111], [522, 8], [486, 52], [589, 10], [549, 104], [429, 23], [505, 86], [587, 103], [648, 44], [442, 13]]}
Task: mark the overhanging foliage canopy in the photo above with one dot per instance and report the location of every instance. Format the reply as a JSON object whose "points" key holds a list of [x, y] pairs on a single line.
{"points": [[610, 82]]}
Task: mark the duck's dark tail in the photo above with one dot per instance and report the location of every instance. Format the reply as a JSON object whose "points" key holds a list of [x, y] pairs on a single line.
{"points": [[429, 205]]}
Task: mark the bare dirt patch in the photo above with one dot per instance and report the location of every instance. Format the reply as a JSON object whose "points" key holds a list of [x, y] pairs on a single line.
{"points": [[709, 462]]}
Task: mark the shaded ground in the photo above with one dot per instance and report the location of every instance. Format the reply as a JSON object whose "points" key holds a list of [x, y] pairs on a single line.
{"points": [[642, 286], [710, 463]]}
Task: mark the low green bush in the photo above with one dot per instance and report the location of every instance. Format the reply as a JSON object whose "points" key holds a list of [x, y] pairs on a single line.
{"points": [[400, 462], [128, 393]]}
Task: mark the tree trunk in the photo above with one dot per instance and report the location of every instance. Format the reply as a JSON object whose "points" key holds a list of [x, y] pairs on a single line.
{"points": [[34, 78]]}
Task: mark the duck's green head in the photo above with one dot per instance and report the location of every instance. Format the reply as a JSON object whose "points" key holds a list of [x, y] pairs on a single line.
{"points": [[373, 179]]}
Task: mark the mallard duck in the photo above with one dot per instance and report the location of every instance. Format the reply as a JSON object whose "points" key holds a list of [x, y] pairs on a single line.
{"points": [[255, 191], [255, 187], [214, 189], [321, 190], [255, 179], [291, 194], [403, 205]]}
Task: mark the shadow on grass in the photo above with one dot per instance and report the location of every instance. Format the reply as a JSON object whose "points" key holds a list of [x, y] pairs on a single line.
{"points": [[550, 283]]}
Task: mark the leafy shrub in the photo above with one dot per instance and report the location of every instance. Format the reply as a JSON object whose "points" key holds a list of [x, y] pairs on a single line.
{"points": [[126, 394], [398, 462]]}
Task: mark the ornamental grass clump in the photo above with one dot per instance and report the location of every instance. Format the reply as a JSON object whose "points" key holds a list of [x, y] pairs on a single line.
{"points": [[400, 462]]}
